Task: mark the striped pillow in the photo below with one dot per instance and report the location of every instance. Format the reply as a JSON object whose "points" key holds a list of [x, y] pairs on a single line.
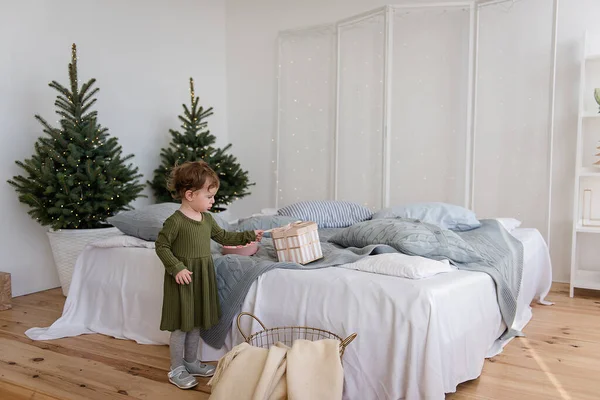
{"points": [[327, 213]]}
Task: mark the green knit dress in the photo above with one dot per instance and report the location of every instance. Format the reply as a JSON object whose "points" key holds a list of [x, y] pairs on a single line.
{"points": [[185, 243]]}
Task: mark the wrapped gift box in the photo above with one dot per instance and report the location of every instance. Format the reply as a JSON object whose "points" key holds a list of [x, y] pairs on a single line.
{"points": [[297, 242]]}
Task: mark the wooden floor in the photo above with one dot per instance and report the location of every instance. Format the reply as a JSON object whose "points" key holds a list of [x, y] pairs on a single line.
{"points": [[559, 358]]}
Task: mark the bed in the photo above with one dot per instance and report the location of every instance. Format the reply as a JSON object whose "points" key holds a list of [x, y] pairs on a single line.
{"points": [[416, 338]]}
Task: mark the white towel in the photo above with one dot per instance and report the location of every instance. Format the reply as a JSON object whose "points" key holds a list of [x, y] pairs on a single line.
{"points": [[238, 373], [272, 384], [314, 370]]}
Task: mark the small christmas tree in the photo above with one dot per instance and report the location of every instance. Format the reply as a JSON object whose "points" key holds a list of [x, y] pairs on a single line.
{"points": [[196, 143], [77, 177]]}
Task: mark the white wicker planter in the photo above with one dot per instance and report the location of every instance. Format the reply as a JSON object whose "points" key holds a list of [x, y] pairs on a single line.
{"points": [[66, 246]]}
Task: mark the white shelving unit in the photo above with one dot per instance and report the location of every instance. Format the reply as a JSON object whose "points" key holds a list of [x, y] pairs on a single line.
{"points": [[586, 174]]}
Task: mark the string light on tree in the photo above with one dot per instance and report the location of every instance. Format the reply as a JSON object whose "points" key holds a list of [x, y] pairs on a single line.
{"points": [[61, 164]]}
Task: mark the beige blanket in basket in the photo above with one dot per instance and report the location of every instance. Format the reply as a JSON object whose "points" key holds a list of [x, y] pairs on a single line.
{"points": [[307, 370]]}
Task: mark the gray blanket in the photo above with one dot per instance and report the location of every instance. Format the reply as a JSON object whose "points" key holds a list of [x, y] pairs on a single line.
{"points": [[502, 259]]}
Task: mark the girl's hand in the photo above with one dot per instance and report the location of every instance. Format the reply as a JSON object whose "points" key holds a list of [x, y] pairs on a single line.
{"points": [[259, 234], [184, 276]]}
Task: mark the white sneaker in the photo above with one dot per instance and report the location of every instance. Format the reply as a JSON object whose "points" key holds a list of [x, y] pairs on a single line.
{"points": [[196, 368], [181, 378]]}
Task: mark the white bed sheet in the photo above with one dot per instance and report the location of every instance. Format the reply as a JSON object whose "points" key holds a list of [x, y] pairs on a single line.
{"points": [[416, 338]]}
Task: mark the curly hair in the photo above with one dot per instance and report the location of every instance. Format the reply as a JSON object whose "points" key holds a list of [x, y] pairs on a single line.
{"points": [[191, 175]]}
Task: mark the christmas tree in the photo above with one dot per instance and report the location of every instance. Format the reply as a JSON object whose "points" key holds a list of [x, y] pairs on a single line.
{"points": [[77, 176], [196, 143]]}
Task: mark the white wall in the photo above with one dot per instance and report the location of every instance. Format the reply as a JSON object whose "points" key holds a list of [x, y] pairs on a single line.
{"points": [[252, 29], [575, 16], [142, 54]]}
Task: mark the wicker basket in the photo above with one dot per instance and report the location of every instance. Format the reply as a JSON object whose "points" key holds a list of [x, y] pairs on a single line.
{"points": [[288, 334]]}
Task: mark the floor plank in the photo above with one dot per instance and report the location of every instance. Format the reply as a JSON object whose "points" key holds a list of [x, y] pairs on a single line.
{"points": [[558, 359], [15, 392]]}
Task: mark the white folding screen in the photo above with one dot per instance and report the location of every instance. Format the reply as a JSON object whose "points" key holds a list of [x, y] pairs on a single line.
{"points": [[306, 115], [512, 148], [429, 106], [360, 114], [427, 102]]}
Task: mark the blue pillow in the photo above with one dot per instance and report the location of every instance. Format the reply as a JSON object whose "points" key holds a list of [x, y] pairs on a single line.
{"points": [[410, 237], [144, 222], [446, 216], [147, 221], [327, 213]]}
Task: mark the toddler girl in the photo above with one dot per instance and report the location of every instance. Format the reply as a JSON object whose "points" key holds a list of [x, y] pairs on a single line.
{"points": [[190, 300]]}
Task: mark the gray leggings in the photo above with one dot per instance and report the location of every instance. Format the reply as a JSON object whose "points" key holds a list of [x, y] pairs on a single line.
{"points": [[181, 341]]}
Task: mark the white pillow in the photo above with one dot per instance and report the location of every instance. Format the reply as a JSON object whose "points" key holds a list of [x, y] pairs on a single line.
{"points": [[402, 265], [509, 224]]}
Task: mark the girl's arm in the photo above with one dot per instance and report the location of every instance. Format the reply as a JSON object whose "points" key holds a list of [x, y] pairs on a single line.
{"points": [[163, 244], [226, 238]]}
